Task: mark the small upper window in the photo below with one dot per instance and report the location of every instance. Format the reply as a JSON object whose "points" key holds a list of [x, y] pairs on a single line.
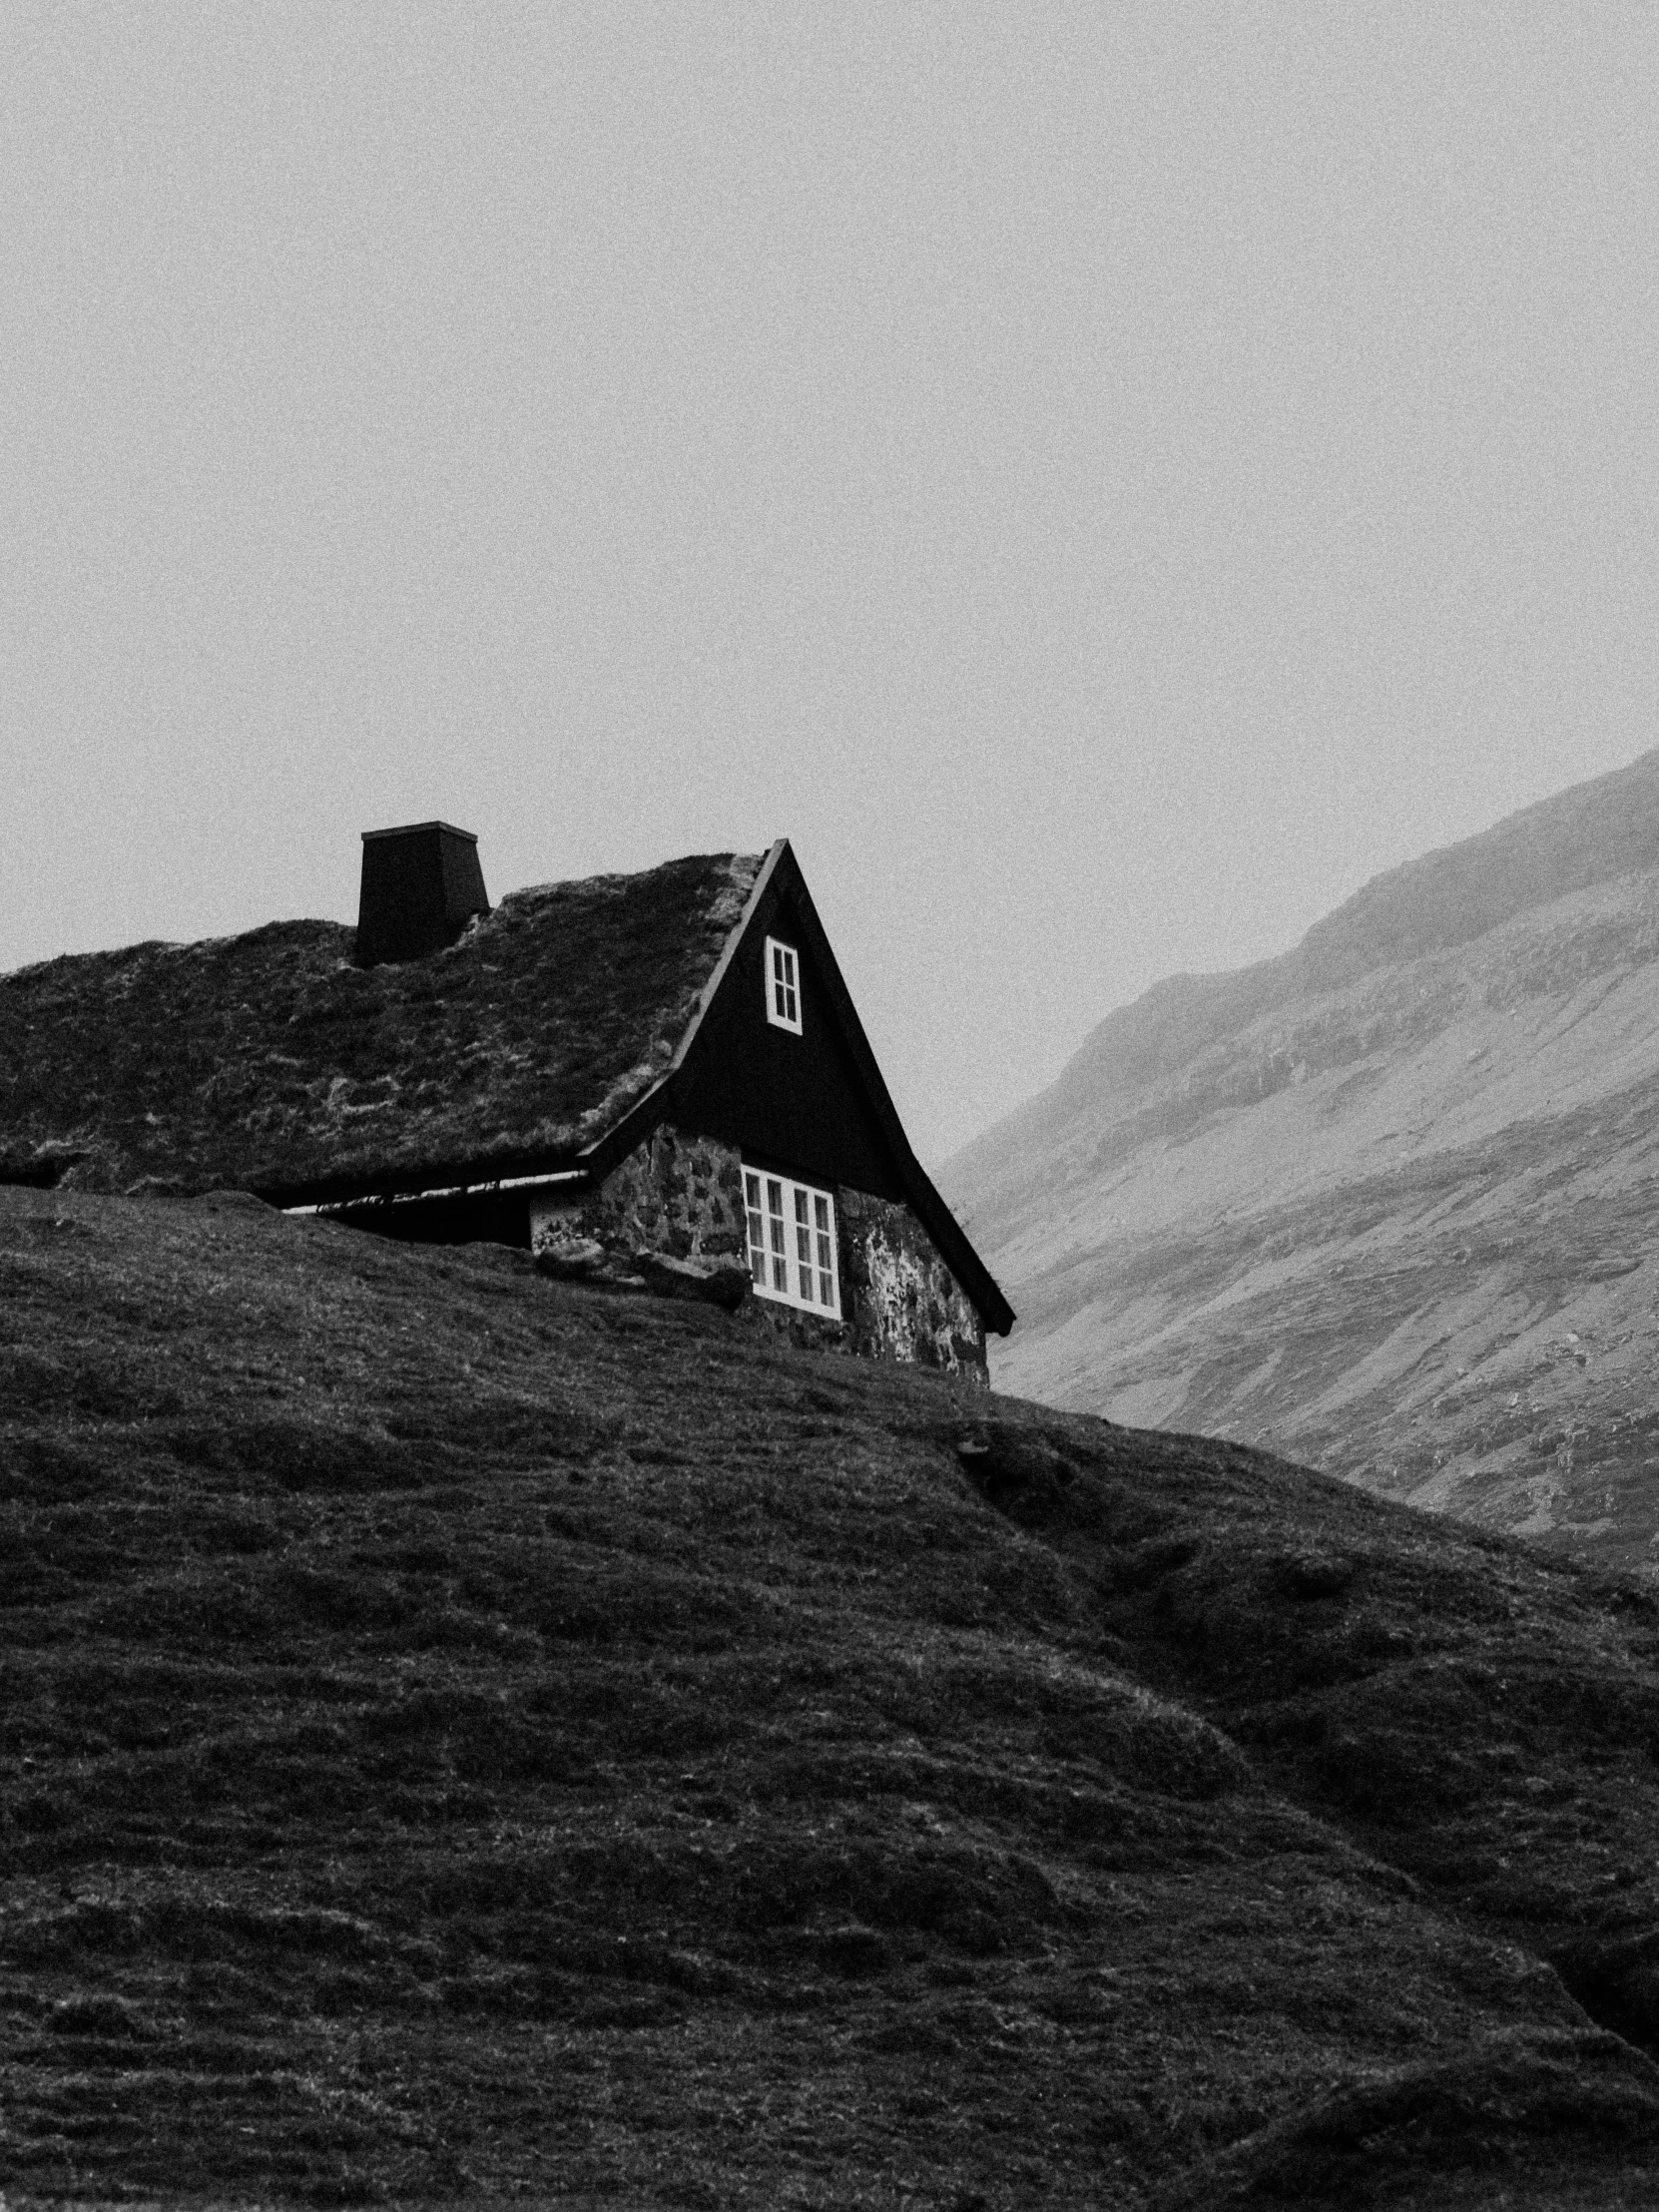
{"points": [[783, 986]]}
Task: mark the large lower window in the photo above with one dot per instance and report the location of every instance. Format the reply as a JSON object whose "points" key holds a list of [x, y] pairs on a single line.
{"points": [[792, 1240]]}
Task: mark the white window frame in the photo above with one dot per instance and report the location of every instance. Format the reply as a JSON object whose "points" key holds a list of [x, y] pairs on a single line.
{"points": [[782, 981], [781, 1213]]}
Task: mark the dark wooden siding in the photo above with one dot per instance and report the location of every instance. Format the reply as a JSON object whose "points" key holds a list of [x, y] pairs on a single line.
{"points": [[501, 1216], [785, 1101]]}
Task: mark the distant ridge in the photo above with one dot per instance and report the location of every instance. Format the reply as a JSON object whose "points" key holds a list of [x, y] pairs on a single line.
{"points": [[1295, 1202], [1590, 833]]}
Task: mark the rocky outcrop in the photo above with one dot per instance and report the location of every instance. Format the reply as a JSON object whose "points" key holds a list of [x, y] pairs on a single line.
{"points": [[1389, 1204]]}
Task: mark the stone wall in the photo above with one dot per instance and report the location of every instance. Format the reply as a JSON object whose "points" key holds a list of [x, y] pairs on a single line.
{"points": [[675, 1194], [683, 1194], [900, 1299]]}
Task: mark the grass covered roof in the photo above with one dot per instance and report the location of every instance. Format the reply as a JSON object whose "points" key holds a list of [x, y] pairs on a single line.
{"points": [[270, 1061]]}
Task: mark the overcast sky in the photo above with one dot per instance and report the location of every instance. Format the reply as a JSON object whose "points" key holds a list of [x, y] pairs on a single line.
{"points": [[1103, 481]]}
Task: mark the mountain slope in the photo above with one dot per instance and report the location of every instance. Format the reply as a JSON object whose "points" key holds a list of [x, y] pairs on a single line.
{"points": [[1386, 1202], [462, 1734]]}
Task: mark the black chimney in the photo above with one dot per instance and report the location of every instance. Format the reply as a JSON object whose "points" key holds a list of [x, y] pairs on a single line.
{"points": [[421, 886]]}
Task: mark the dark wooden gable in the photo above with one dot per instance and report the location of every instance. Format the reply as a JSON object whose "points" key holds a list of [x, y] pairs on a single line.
{"points": [[790, 1102], [815, 1104]]}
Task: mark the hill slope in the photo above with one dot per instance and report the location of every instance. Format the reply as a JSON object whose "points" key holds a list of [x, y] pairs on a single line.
{"points": [[467, 1735], [1387, 1203]]}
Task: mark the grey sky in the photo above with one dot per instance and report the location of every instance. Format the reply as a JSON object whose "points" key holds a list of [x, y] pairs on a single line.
{"points": [[1103, 481]]}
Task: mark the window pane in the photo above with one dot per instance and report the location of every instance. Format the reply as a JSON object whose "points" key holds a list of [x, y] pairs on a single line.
{"points": [[755, 1227], [826, 1288], [781, 978]]}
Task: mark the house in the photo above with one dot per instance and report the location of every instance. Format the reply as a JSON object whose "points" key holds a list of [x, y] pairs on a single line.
{"points": [[668, 1062]]}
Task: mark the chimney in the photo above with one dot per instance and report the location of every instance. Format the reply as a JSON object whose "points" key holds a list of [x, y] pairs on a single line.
{"points": [[421, 886]]}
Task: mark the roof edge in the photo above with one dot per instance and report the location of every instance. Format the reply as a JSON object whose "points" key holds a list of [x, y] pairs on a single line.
{"points": [[521, 1168], [432, 1178], [728, 952], [952, 1241], [409, 830], [639, 1107], [954, 1244], [379, 1200]]}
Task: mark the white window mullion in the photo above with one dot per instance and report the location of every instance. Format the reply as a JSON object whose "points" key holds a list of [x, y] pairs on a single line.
{"points": [[826, 1249], [776, 1238], [757, 1229]]}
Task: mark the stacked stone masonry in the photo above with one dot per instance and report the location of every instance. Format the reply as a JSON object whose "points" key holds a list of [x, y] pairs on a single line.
{"points": [[683, 1194], [902, 1301]]}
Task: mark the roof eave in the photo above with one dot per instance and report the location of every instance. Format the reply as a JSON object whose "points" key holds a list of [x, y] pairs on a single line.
{"points": [[601, 1152], [590, 1160]]}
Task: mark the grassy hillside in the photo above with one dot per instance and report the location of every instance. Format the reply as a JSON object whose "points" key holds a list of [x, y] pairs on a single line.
{"points": [[465, 1736]]}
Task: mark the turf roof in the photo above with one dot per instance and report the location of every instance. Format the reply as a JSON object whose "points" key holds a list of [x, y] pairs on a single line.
{"points": [[270, 1061]]}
